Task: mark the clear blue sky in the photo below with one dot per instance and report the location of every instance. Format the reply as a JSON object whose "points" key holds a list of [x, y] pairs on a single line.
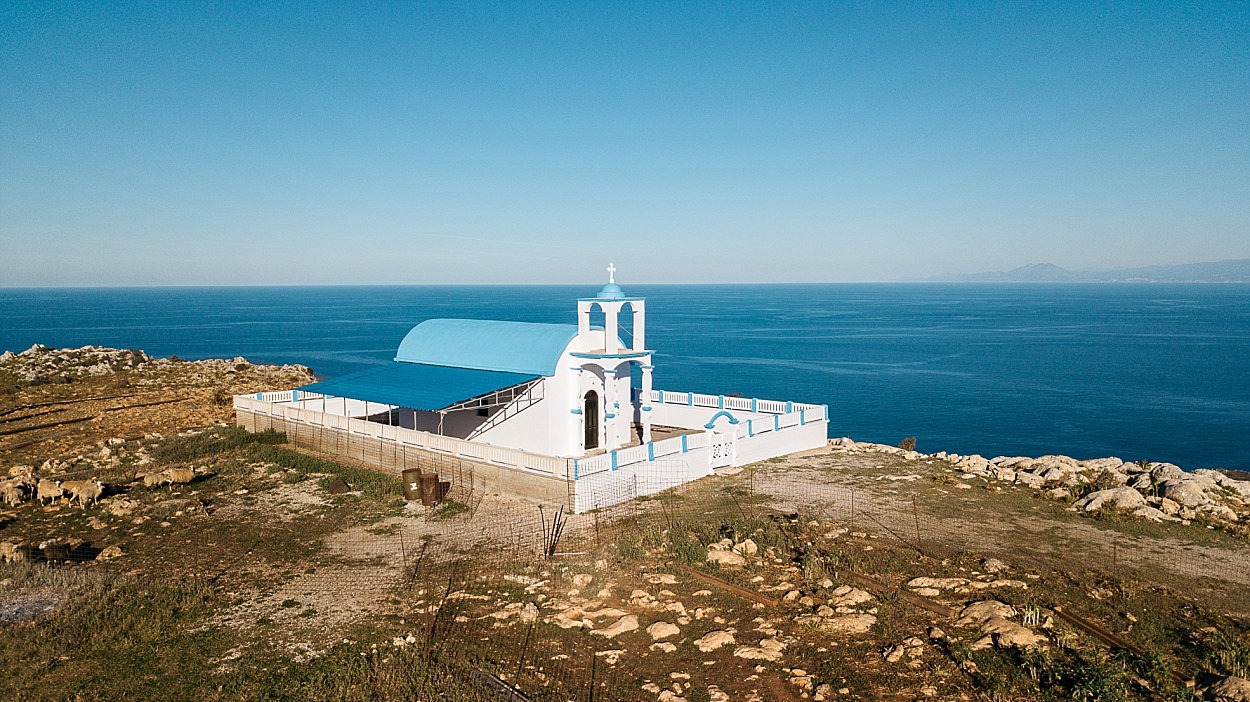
{"points": [[239, 143]]}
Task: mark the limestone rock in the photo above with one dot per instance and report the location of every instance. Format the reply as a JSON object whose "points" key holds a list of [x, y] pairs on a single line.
{"points": [[937, 583], [725, 558], [977, 613], [1125, 498], [109, 553], [1008, 634], [626, 623], [857, 623], [1030, 480], [847, 596], [1230, 689], [747, 547], [662, 630], [768, 650], [714, 640]]}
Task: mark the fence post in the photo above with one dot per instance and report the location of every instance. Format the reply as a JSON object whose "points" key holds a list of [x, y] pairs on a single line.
{"points": [[916, 515]]}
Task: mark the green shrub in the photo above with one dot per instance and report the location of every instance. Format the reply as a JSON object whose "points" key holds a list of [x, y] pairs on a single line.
{"points": [[218, 440]]}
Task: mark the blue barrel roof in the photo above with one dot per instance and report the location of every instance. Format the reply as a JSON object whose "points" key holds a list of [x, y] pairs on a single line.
{"points": [[484, 344], [417, 385]]}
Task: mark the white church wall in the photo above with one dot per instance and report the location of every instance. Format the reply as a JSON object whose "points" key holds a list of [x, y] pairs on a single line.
{"points": [[531, 428]]}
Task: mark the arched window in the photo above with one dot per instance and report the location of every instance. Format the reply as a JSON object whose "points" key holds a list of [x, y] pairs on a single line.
{"points": [[591, 414]]}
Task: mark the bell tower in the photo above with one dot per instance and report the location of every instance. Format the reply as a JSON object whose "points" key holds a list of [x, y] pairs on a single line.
{"points": [[613, 360]]}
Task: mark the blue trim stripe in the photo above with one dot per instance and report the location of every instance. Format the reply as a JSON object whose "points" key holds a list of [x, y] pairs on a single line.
{"points": [[755, 404], [614, 466], [575, 474], [690, 401], [684, 448], [802, 417], [720, 402], [776, 422], [650, 451], [575, 411], [750, 427]]}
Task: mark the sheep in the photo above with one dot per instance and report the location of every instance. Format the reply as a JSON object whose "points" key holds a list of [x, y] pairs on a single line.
{"points": [[55, 550], [153, 479], [180, 475], [49, 490], [12, 493], [25, 480], [12, 551], [83, 490]]}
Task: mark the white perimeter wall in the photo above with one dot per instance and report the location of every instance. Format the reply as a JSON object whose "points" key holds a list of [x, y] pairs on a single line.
{"points": [[779, 443], [696, 417]]}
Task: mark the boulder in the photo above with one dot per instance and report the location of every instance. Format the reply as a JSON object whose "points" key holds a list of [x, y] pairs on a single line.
{"points": [[714, 640], [1218, 512], [1111, 477], [1230, 689], [846, 624], [1241, 487], [725, 558], [1031, 480], [768, 650], [626, 623], [1114, 464], [1154, 515], [977, 613], [1125, 498], [1188, 491], [1008, 634], [1162, 472], [662, 630]]}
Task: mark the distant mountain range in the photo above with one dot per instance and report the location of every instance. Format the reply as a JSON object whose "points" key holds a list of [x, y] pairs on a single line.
{"points": [[1231, 271]]}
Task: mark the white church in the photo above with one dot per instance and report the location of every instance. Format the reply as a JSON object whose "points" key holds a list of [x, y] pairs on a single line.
{"points": [[544, 411]]}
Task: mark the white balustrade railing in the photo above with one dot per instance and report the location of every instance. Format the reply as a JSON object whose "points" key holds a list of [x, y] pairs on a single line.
{"points": [[771, 406]]}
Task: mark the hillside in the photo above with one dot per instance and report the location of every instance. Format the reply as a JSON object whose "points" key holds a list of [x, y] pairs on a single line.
{"points": [[222, 565], [1230, 271]]}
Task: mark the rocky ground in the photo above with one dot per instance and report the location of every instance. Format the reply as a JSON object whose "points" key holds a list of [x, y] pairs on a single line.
{"points": [[223, 565], [1146, 490]]}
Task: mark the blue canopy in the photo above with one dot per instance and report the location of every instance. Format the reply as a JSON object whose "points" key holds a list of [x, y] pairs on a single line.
{"points": [[418, 385], [487, 344]]}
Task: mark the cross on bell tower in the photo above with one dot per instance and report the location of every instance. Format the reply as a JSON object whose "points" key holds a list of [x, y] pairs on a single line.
{"points": [[611, 273]]}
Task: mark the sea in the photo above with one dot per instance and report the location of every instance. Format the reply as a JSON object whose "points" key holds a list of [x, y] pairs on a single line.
{"points": [[1155, 372]]}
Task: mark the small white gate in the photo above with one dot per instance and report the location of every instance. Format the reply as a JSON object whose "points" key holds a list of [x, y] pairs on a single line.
{"points": [[723, 449]]}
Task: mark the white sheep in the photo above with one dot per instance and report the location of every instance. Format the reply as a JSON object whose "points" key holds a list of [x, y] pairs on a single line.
{"points": [[49, 490], [180, 475], [153, 479], [83, 490], [12, 493]]}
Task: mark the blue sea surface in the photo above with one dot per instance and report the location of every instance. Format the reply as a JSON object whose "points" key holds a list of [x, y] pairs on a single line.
{"points": [[1157, 372]]}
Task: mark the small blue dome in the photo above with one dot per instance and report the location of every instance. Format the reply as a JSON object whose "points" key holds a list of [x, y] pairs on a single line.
{"points": [[611, 291]]}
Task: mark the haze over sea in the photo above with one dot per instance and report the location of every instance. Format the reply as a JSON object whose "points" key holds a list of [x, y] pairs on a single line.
{"points": [[1155, 372]]}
